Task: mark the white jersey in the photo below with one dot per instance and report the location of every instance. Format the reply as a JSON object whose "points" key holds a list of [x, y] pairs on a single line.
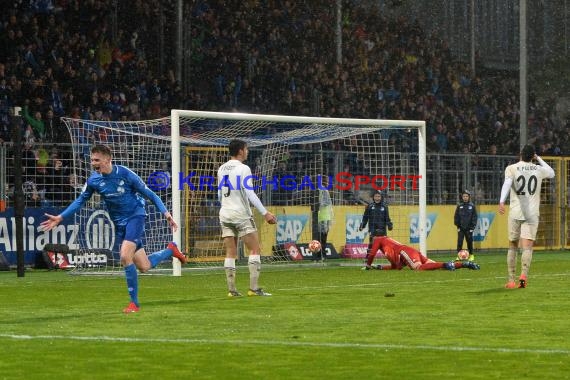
{"points": [[235, 192], [526, 181]]}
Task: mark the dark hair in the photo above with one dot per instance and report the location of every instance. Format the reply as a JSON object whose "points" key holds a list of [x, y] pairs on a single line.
{"points": [[103, 149], [466, 192], [235, 146], [380, 192], [527, 153]]}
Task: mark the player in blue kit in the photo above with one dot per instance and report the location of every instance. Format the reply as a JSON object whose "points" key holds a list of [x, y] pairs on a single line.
{"points": [[121, 190]]}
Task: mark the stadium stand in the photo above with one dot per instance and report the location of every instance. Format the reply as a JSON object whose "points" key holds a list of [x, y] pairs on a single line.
{"points": [[65, 58]]}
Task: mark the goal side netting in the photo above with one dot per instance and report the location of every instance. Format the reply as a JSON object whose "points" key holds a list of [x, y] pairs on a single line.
{"points": [[142, 146], [292, 159]]}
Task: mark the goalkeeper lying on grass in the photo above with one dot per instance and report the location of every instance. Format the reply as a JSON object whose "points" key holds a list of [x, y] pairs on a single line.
{"points": [[400, 255]]}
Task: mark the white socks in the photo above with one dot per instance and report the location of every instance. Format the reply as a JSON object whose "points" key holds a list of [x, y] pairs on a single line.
{"points": [[254, 265], [230, 267], [526, 259], [511, 263]]}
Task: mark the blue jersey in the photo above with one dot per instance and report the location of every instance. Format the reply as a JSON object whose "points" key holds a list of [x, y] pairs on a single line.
{"points": [[121, 191]]}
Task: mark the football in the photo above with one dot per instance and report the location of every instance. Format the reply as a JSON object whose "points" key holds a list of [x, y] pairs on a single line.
{"points": [[463, 254], [314, 246]]}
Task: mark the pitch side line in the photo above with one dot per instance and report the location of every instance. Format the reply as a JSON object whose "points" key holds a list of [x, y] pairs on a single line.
{"points": [[289, 344]]}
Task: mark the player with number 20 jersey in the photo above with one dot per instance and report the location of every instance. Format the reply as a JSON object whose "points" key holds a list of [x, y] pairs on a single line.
{"points": [[525, 183]]}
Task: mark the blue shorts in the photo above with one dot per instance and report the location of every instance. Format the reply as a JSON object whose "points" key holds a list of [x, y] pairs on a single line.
{"points": [[132, 231]]}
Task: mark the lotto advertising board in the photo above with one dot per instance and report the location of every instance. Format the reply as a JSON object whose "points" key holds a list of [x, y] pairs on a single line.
{"points": [[293, 232], [97, 235]]}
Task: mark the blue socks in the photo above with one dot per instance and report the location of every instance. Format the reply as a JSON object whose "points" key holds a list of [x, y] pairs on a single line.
{"points": [[132, 276], [159, 256], [132, 283]]}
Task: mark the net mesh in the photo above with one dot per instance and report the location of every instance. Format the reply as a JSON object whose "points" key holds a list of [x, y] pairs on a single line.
{"points": [[143, 147], [287, 159]]}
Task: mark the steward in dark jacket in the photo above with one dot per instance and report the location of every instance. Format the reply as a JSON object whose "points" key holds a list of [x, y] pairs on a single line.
{"points": [[465, 220], [377, 216]]}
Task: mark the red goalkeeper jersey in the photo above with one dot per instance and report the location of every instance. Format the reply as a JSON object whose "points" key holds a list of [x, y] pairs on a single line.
{"points": [[393, 251]]}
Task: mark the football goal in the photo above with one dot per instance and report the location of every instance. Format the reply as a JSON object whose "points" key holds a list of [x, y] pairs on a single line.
{"points": [[292, 160]]}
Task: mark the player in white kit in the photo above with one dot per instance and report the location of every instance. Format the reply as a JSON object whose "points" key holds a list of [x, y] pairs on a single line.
{"points": [[235, 192], [523, 182]]}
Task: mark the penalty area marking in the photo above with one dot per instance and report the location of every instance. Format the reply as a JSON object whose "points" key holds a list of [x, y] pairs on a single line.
{"points": [[288, 344]]}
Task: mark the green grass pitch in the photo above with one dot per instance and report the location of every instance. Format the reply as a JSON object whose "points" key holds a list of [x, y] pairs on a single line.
{"points": [[323, 322]]}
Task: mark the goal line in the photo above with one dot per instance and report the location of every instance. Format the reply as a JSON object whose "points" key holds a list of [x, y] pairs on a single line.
{"points": [[179, 156]]}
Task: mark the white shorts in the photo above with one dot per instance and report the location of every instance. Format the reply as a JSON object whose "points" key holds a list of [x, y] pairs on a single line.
{"points": [[522, 229], [238, 228]]}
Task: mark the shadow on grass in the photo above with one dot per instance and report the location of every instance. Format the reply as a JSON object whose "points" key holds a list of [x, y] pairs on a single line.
{"points": [[58, 316], [180, 301], [500, 289]]}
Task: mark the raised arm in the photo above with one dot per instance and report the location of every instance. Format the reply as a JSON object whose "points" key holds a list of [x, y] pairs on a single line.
{"points": [[54, 220], [547, 168], [145, 191]]}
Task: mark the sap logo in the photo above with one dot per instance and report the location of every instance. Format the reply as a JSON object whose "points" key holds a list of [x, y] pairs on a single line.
{"points": [[353, 235], [484, 221], [414, 226], [289, 227], [100, 231]]}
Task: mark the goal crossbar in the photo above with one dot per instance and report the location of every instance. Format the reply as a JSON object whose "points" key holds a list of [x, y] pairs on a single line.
{"points": [[419, 125], [191, 145]]}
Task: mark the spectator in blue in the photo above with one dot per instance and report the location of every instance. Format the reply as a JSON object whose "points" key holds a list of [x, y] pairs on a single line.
{"points": [[55, 99]]}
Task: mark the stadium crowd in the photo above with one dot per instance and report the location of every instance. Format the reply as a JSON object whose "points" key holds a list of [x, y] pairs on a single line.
{"points": [[63, 58]]}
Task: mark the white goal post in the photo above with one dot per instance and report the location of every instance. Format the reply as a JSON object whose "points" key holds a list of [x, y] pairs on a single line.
{"points": [[178, 158], [231, 126]]}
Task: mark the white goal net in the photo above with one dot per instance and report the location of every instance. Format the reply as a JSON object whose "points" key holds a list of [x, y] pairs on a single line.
{"points": [[289, 156]]}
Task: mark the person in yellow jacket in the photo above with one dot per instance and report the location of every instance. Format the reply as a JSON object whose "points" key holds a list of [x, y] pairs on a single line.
{"points": [[325, 217]]}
